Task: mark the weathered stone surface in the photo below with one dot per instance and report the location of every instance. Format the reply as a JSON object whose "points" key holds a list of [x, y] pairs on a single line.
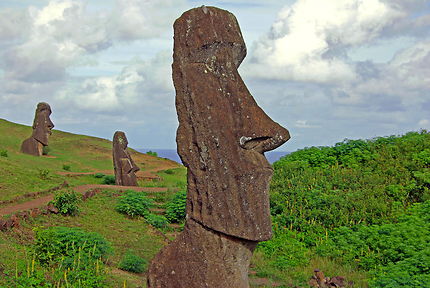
{"points": [[42, 126], [222, 132], [200, 257], [124, 166], [221, 138]]}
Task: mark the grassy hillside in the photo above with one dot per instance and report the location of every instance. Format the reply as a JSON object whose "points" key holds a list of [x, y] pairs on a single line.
{"points": [[68, 155], [21, 173], [358, 209]]}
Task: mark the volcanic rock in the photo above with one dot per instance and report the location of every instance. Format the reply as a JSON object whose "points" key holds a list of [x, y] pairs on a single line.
{"points": [[42, 126], [221, 138], [124, 166]]}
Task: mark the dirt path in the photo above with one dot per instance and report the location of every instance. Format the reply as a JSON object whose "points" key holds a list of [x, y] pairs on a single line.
{"points": [[39, 202], [36, 203], [147, 173], [83, 188]]}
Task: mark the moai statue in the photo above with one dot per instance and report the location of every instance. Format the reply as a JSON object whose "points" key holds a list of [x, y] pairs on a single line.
{"points": [[222, 137], [42, 127], [124, 166]]}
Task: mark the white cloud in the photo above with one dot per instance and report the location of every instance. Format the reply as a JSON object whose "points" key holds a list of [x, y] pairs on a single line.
{"points": [[308, 40], [136, 19], [14, 24], [424, 123], [304, 124], [141, 83]]}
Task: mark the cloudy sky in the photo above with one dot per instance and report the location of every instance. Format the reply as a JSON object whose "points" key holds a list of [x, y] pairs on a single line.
{"points": [[326, 70]]}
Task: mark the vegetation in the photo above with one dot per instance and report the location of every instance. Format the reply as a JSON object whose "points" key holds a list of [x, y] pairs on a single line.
{"points": [[108, 179], [175, 211], [358, 209], [55, 243], [67, 202], [72, 256], [23, 174], [132, 263], [158, 221], [152, 153], [362, 203], [66, 167], [134, 204]]}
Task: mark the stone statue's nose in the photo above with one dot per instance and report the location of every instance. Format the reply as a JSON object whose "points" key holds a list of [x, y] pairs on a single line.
{"points": [[50, 124], [260, 132], [265, 142]]}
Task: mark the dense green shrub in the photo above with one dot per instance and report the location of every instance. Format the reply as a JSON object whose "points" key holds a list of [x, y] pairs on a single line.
{"points": [[3, 153], [99, 175], [381, 245], [44, 174], [81, 272], [348, 202], [152, 153], [108, 180], [158, 221], [366, 182], [175, 210], [46, 150], [55, 243], [67, 202], [413, 272], [132, 263], [169, 171], [284, 250], [134, 204], [67, 167]]}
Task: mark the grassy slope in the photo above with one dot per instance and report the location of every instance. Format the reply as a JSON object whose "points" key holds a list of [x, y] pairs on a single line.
{"points": [[20, 174]]}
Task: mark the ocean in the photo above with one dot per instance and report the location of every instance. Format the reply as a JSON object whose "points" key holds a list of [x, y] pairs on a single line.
{"points": [[171, 154]]}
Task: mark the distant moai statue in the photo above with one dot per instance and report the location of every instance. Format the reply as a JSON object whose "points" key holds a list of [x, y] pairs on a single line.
{"points": [[221, 138], [124, 166], [42, 126]]}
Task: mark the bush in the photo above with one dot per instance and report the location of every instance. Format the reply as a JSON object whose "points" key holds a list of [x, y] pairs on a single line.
{"points": [[67, 202], [132, 263], [175, 211], [3, 153], [99, 175], [109, 180], [81, 272], [134, 204], [169, 171], [44, 174], [46, 150], [284, 250], [66, 167], [381, 245], [152, 153], [57, 243], [158, 221], [412, 272]]}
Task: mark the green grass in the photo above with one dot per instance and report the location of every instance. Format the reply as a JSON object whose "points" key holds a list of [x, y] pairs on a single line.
{"points": [[97, 215], [22, 174]]}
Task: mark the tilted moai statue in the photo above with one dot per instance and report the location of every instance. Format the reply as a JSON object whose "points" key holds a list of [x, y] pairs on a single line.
{"points": [[42, 126], [124, 166], [222, 137]]}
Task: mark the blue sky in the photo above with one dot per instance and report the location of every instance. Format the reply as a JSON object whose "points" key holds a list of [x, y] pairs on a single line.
{"points": [[326, 70]]}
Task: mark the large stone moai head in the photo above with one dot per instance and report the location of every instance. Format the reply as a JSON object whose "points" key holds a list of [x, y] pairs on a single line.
{"points": [[124, 166], [223, 133], [42, 126]]}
